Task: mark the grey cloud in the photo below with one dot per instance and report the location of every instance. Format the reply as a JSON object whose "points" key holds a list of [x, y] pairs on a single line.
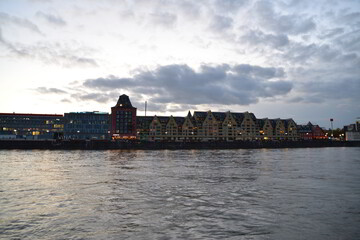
{"points": [[221, 23], [256, 37], [51, 53], [41, 1], [189, 8], [109, 82], [343, 50], [100, 97], [282, 23], [350, 41], [164, 19], [317, 91], [303, 54], [178, 107], [50, 90], [230, 5], [21, 22], [257, 71], [352, 19], [56, 20], [331, 33], [65, 100], [219, 84], [295, 100]]}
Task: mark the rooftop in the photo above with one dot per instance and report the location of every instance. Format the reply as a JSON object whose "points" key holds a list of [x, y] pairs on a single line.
{"points": [[124, 102]]}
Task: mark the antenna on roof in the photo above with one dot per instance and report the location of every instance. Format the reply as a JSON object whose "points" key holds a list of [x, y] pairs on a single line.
{"points": [[145, 107]]}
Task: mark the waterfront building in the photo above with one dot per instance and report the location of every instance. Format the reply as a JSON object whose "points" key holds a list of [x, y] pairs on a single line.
{"points": [[31, 126], [218, 126], [189, 129], [86, 125], [249, 128], [229, 127], [266, 127], [304, 132], [166, 129], [174, 129], [291, 128], [352, 131], [143, 127], [123, 119], [239, 118], [210, 127], [311, 132], [157, 128]]}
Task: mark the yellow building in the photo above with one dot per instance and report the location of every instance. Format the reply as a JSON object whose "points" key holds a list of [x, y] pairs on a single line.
{"points": [[217, 126]]}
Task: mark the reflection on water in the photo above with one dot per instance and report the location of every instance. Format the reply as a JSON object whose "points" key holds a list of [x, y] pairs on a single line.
{"points": [[185, 194]]}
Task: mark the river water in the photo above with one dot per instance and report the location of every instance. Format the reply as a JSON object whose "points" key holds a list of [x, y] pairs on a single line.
{"points": [[184, 194]]}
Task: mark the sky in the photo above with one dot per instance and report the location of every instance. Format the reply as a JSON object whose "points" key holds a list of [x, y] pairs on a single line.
{"points": [[277, 59]]}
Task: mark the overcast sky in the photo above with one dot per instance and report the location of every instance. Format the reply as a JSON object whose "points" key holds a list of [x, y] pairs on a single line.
{"points": [[277, 59]]}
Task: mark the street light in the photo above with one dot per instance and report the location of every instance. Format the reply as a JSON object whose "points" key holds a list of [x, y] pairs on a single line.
{"points": [[332, 128]]}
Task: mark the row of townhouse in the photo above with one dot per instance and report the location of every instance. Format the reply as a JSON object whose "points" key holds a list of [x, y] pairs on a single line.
{"points": [[215, 126]]}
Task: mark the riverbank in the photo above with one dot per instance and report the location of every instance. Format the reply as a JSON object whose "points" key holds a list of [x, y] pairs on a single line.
{"points": [[112, 145]]}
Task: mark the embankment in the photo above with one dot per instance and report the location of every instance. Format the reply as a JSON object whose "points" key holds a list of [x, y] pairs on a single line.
{"points": [[112, 145]]}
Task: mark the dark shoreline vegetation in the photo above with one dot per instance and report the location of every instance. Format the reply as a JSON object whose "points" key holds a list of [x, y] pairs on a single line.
{"points": [[144, 145]]}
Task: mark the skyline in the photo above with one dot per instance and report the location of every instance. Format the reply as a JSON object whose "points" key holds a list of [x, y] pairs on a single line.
{"points": [[277, 59]]}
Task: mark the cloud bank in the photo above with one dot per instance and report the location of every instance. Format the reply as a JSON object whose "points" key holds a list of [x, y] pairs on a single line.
{"points": [[241, 84]]}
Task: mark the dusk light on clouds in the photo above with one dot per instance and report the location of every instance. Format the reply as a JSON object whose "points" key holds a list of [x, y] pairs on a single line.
{"points": [[288, 59]]}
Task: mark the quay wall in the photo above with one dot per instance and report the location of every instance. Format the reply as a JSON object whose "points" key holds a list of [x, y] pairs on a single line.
{"points": [[112, 145]]}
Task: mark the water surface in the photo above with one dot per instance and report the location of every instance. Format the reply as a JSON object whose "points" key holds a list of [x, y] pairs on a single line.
{"points": [[185, 194]]}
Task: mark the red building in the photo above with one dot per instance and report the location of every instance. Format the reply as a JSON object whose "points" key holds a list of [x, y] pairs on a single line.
{"points": [[123, 119], [310, 131]]}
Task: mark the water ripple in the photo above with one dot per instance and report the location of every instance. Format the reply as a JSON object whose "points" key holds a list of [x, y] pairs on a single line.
{"points": [[195, 194]]}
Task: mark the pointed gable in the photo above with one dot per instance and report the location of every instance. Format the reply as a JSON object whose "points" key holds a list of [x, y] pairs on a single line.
{"points": [[124, 102], [261, 122], [179, 120], [239, 117], [189, 114], [219, 116], [143, 122]]}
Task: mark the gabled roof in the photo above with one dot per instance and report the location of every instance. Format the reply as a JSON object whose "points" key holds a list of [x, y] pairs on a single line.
{"points": [[143, 121], [303, 128], [124, 102], [273, 122], [192, 120], [219, 116], [200, 114], [189, 114], [199, 117], [252, 116], [261, 122], [179, 120], [286, 123], [239, 117], [163, 120]]}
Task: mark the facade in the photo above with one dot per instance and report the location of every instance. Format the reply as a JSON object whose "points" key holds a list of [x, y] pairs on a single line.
{"points": [[123, 119], [352, 136], [352, 132], [311, 132], [143, 127], [123, 124], [86, 125], [278, 129], [31, 126], [215, 126]]}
